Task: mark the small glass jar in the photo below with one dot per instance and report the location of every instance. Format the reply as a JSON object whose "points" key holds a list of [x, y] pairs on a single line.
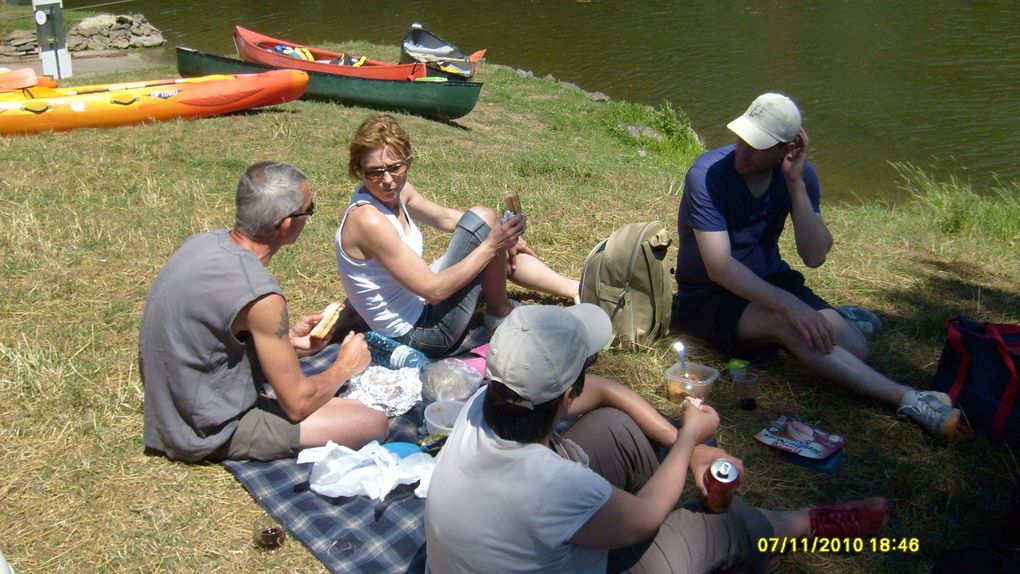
{"points": [[267, 532]]}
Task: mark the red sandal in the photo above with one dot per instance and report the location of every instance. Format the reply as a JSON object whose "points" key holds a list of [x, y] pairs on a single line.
{"points": [[857, 518]]}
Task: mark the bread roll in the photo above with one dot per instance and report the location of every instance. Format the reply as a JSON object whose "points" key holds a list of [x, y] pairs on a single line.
{"points": [[329, 318]]}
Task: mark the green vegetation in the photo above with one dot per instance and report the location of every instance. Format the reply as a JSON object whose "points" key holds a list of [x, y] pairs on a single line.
{"points": [[15, 18], [91, 216], [957, 210], [671, 136], [20, 18]]}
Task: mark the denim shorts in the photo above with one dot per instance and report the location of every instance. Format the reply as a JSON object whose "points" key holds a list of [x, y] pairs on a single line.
{"points": [[441, 326]]}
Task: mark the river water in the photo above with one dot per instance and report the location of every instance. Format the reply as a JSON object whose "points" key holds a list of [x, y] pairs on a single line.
{"points": [[933, 83]]}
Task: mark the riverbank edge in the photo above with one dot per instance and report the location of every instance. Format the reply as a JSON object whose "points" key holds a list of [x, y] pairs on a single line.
{"points": [[879, 261]]}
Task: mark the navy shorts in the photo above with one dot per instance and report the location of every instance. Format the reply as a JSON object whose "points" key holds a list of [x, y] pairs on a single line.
{"points": [[713, 313]]}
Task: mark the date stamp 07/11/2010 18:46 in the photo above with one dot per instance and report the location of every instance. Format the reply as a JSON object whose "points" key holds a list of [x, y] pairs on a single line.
{"points": [[826, 545]]}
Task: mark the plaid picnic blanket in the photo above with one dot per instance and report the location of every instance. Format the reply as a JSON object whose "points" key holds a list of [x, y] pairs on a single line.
{"points": [[350, 535]]}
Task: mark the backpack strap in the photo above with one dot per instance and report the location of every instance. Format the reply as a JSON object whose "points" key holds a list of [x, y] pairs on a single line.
{"points": [[1009, 394], [660, 290], [955, 339], [1010, 335]]}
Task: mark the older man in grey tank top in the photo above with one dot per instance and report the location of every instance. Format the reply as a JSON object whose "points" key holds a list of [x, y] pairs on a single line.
{"points": [[216, 330]]}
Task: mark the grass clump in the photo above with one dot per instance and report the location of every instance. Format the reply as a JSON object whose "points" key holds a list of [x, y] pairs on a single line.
{"points": [[92, 215], [956, 209], [665, 131]]}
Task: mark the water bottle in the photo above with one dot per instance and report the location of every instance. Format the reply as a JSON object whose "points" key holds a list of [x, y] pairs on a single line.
{"points": [[389, 353], [405, 356]]}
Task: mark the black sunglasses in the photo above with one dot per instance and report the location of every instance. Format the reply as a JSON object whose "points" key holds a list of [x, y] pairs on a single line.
{"points": [[395, 170], [308, 213]]}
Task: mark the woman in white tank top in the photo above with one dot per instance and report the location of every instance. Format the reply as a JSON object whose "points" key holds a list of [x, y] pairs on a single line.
{"points": [[379, 251]]}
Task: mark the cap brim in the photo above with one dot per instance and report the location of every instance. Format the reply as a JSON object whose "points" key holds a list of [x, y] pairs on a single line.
{"points": [[751, 134], [597, 325]]}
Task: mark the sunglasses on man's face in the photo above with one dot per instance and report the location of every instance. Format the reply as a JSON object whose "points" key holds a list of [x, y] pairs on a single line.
{"points": [[395, 170], [306, 213]]}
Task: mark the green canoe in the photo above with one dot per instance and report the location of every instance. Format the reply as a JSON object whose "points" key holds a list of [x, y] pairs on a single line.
{"points": [[445, 100]]}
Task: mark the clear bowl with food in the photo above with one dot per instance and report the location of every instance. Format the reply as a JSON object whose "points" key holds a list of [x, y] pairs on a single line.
{"points": [[440, 416], [689, 379]]}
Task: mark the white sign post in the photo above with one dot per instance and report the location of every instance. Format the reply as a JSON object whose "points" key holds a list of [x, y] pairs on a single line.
{"points": [[49, 30]]}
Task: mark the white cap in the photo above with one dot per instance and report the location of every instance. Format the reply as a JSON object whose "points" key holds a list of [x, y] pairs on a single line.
{"points": [[539, 350], [5, 568], [771, 119]]}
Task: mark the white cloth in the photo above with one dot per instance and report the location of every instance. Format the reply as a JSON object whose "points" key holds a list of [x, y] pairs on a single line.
{"points": [[503, 506], [5, 568], [388, 307], [372, 471]]}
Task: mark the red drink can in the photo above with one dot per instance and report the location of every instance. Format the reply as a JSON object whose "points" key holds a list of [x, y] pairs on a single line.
{"points": [[721, 480]]}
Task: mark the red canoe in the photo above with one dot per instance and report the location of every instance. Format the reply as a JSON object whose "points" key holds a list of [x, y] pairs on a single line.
{"points": [[255, 47]]}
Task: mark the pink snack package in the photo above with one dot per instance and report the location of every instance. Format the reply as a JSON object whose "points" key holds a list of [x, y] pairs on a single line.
{"points": [[790, 435], [478, 362]]}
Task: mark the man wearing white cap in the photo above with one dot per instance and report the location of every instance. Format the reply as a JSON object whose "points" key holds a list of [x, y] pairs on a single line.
{"points": [[734, 288], [509, 494]]}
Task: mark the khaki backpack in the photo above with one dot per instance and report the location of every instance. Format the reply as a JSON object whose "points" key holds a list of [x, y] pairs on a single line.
{"points": [[627, 276]]}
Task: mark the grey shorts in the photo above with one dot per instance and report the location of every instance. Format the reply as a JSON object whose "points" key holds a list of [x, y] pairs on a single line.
{"points": [[690, 539], [264, 433], [442, 326]]}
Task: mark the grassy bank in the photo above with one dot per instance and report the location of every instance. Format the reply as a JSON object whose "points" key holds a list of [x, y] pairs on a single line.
{"points": [[92, 215], [20, 18]]}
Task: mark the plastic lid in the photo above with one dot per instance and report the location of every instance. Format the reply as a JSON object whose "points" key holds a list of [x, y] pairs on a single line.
{"points": [[402, 449]]}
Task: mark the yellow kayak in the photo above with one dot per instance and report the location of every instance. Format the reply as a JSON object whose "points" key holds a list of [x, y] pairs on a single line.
{"points": [[40, 108]]}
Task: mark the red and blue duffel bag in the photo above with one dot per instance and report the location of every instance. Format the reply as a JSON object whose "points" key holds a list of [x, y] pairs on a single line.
{"points": [[978, 370]]}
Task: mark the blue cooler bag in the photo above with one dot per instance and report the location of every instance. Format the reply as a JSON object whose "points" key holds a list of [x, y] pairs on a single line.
{"points": [[978, 370]]}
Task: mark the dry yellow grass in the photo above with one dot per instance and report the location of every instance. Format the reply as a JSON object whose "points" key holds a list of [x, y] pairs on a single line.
{"points": [[90, 216]]}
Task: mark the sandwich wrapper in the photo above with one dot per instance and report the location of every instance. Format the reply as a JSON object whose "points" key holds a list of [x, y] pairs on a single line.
{"points": [[372, 471], [804, 444]]}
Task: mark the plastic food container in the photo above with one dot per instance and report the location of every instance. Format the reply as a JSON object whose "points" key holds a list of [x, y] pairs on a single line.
{"points": [[697, 383], [440, 415]]}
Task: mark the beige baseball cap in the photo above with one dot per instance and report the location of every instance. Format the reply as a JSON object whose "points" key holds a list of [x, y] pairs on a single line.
{"points": [[771, 119], [539, 350]]}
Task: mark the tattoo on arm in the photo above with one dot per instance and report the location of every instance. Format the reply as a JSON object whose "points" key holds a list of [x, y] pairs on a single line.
{"points": [[283, 331]]}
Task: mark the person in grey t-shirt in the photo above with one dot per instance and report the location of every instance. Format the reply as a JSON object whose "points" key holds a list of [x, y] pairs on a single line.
{"points": [[216, 331], [510, 494]]}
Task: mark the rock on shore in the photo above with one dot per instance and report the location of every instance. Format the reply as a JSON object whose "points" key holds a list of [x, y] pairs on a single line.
{"points": [[101, 33]]}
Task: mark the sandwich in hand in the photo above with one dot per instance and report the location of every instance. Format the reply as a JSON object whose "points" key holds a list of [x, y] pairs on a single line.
{"points": [[329, 319], [512, 201]]}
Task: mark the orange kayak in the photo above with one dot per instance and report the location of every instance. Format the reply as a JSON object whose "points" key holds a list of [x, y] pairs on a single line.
{"points": [[41, 108], [12, 80], [255, 47]]}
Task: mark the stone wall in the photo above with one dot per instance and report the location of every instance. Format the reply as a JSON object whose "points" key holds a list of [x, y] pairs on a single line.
{"points": [[97, 34]]}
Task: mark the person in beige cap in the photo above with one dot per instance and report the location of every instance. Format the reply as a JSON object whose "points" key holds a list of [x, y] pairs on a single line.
{"points": [[736, 291], [510, 494]]}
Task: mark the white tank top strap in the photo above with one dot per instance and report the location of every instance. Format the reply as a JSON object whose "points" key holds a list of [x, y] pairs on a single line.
{"points": [[386, 305]]}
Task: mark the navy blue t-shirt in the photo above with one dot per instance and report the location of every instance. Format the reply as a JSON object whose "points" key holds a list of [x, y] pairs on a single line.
{"points": [[717, 199]]}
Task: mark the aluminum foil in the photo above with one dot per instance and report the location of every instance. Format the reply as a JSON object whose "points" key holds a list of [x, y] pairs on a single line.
{"points": [[392, 391]]}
